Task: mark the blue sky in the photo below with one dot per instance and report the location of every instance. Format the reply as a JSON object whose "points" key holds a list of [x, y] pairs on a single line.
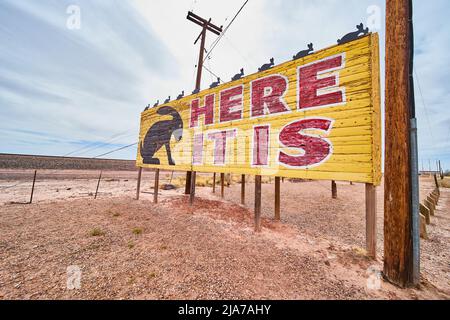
{"points": [[81, 91]]}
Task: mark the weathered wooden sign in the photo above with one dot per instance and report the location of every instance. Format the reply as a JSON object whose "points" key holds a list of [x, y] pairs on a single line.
{"points": [[317, 117]]}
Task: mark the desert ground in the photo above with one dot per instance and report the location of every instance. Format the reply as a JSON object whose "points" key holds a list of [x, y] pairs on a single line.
{"points": [[129, 249]]}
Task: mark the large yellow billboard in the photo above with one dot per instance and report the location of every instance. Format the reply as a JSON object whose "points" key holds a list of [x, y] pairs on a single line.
{"points": [[317, 117]]}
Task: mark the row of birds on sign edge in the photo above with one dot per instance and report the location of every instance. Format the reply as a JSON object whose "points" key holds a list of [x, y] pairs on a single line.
{"points": [[347, 38]]}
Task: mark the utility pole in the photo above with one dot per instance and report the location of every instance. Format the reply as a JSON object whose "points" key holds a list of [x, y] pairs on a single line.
{"points": [[206, 26], [401, 219]]}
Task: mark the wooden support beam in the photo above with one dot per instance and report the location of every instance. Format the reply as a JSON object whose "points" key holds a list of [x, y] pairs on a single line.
{"points": [[214, 182], [423, 227], [425, 212], [32, 187], [399, 259], [138, 188], [333, 189], [432, 202], [222, 185], [187, 188], [430, 206], [277, 199], [243, 189], [98, 185], [258, 203], [435, 198], [156, 188], [193, 183], [436, 182], [371, 220]]}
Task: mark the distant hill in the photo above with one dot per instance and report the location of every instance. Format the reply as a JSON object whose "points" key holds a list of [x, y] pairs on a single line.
{"points": [[18, 161]]}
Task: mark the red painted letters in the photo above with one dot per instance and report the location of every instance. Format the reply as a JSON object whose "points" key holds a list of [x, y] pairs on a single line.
{"points": [[220, 144], [311, 84], [197, 156], [207, 110], [267, 93], [261, 145], [231, 104], [313, 149]]}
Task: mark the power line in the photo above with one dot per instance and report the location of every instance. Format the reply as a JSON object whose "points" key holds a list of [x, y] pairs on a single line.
{"points": [[108, 142], [238, 52], [424, 104], [214, 44], [115, 150], [215, 75], [96, 145], [448, 136]]}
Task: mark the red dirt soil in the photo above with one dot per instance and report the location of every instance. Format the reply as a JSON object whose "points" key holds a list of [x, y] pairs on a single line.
{"points": [[171, 251]]}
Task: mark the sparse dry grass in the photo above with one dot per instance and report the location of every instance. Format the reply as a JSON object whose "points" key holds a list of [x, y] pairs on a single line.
{"points": [[96, 232], [137, 231], [445, 183]]}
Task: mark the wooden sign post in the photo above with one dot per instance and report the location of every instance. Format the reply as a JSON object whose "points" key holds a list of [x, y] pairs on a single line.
{"points": [[156, 188], [277, 199], [258, 203], [138, 187], [371, 220], [222, 185], [333, 189], [243, 189]]}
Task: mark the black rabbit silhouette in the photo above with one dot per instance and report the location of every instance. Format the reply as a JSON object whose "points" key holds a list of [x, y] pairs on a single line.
{"points": [[215, 84], [167, 100], [196, 91], [354, 35], [267, 66], [238, 76], [304, 53], [181, 95], [159, 135]]}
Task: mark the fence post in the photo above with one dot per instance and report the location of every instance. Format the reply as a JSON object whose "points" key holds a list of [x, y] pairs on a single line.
{"points": [[98, 184], [32, 188]]}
